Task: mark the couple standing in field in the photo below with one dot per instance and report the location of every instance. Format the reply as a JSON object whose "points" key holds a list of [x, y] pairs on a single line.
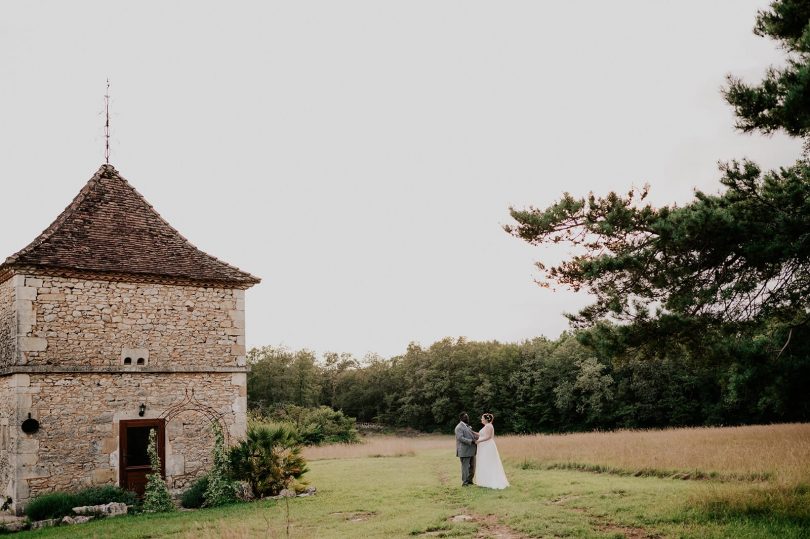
{"points": [[480, 461]]}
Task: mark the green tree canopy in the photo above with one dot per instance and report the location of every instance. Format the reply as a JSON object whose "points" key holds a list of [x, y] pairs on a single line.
{"points": [[737, 257], [781, 100]]}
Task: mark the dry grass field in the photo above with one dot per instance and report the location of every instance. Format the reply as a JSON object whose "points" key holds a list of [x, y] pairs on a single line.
{"points": [[780, 453]]}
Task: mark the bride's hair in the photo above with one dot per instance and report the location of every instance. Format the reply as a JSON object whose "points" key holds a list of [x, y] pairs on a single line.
{"points": [[489, 417]]}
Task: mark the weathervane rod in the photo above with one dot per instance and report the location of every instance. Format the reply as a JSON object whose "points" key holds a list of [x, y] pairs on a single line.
{"points": [[107, 124]]}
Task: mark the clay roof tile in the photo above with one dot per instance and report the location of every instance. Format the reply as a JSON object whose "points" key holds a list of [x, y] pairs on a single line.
{"points": [[110, 228]]}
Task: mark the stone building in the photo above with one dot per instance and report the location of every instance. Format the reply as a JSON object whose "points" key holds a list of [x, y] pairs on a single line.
{"points": [[112, 324]]}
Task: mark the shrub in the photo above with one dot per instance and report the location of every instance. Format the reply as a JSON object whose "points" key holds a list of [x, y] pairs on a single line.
{"points": [[267, 459], [220, 490], [310, 433], [60, 504], [194, 496], [53, 505], [156, 499], [314, 426], [105, 494]]}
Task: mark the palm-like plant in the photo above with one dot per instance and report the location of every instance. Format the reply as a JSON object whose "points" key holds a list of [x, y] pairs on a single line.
{"points": [[267, 459]]}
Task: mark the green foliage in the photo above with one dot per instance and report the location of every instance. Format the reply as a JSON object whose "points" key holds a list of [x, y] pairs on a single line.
{"points": [[581, 381], [105, 494], [332, 369], [220, 489], [279, 376], [194, 496], [53, 505], [782, 99], [435, 384], [364, 390], [268, 459], [156, 498], [589, 392], [723, 261], [315, 425]]}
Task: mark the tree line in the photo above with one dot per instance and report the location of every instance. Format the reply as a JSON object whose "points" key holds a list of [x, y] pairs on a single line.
{"points": [[576, 382]]}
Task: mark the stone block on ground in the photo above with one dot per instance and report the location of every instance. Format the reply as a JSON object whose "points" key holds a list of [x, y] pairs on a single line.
{"points": [[44, 523], [13, 524], [109, 509], [81, 519], [285, 493], [309, 491]]}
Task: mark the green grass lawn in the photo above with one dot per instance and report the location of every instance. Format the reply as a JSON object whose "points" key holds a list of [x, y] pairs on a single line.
{"points": [[416, 496]]}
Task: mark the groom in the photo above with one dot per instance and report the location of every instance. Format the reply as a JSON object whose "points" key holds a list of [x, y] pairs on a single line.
{"points": [[465, 449]]}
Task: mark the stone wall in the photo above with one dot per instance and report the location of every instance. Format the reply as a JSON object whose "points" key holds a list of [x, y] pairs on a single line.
{"points": [[99, 323], [8, 320], [8, 422], [67, 339], [79, 414]]}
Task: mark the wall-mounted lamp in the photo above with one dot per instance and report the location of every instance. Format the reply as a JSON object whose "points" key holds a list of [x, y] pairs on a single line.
{"points": [[30, 425], [141, 409]]}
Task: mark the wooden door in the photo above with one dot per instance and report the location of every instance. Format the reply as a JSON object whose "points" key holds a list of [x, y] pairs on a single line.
{"points": [[133, 460]]}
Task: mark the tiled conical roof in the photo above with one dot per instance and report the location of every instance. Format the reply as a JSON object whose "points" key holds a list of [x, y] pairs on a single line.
{"points": [[109, 228]]}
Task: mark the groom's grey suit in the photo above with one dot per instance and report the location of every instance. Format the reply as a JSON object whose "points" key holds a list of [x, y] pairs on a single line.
{"points": [[466, 450]]}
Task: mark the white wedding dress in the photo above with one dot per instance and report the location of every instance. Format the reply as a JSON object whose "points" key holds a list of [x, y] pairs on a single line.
{"points": [[488, 468]]}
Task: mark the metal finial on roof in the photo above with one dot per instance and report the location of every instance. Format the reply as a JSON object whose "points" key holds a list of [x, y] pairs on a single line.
{"points": [[107, 124]]}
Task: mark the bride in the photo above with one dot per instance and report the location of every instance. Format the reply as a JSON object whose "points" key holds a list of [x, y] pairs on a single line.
{"points": [[488, 468]]}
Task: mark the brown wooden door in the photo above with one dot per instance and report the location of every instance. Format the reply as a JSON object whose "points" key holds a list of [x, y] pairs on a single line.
{"points": [[133, 460]]}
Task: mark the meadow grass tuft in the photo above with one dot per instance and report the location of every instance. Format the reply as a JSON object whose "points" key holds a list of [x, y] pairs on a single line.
{"points": [[779, 502]]}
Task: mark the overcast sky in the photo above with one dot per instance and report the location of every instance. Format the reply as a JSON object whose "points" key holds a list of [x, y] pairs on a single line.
{"points": [[360, 157]]}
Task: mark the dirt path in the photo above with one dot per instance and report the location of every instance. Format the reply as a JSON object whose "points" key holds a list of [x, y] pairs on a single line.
{"points": [[604, 524], [489, 527]]}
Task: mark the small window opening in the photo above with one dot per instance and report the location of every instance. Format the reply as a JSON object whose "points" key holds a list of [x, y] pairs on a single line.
{"points": [[141, 361], [127, 361]]}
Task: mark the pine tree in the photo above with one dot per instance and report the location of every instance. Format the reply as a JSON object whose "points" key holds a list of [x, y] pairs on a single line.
{"points": [[781, 101]]}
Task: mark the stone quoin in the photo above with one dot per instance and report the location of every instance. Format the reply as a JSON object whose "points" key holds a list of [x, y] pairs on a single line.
{"points": [[112, 324]]}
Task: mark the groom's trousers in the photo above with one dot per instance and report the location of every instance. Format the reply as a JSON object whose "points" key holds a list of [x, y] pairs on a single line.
{"points": [[467, 470]]}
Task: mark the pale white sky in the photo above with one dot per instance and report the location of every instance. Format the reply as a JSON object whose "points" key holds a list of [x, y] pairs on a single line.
{"points": [[360, 157]]}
